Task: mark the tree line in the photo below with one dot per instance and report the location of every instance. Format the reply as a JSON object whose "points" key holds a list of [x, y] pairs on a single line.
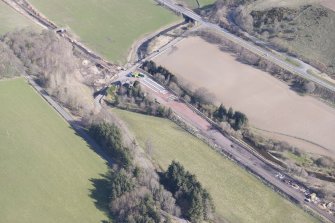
{"points": [[133, 194], [51, 61], [132, 97], [195, 201], [110, 138], [200, 98], [136, 194], [10, 65]]}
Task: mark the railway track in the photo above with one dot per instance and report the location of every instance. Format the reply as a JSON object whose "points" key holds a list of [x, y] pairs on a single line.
{"points": [[24, 7]]}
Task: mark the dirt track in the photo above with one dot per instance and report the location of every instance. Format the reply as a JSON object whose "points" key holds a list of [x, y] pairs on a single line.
{"points": [[269, 103]]}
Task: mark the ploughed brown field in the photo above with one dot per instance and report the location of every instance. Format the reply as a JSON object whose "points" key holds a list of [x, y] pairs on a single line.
{"points": [[328, 3], [269, 103]]}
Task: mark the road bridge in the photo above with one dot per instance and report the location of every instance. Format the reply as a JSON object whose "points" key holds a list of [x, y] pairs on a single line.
{"points": [[266, 54]]}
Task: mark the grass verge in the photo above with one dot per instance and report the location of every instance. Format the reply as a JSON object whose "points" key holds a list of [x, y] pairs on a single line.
{"points": [[293, 62], [193, 3]]}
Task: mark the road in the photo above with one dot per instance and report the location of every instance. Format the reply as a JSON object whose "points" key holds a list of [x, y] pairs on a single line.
{"points": [[239, 152], [68, 118], [235, 149], [250, 46], [123, 75], [136, 52]]}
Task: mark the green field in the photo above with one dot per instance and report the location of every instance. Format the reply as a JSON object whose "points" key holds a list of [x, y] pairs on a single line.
{"points": [[206, 2], [45, 168], [108, 26], [193, 3], [239, 197], [11, 20]]}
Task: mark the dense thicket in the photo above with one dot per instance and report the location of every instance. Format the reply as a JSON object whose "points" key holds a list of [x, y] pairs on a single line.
{"points": [[43, 54], [134, 193], [200, 98], [133, 98], [10, 65], [128, 201], [110, 138], [236, 119], [195, 201], [137, 206], [51, 61]]}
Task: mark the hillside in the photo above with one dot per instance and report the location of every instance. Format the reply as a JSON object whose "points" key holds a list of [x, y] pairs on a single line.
{"points": [[302, 28]]}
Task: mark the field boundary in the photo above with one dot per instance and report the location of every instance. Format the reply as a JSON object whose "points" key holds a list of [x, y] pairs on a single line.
{"points": [[217, 127], [70, 120], [291, 136], [133, 54], [270, 165]]}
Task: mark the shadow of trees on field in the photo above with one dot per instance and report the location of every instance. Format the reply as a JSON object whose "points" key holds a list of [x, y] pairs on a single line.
{"points": [[91, 143], [100, 194]]}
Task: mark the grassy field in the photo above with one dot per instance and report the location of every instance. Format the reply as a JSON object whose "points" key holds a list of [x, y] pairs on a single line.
{"points": [[206, 2], [45, 168], [238, 196], [107, 26], [193, 3], [11, 20]]}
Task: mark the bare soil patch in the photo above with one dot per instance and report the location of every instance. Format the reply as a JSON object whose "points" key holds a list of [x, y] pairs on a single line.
{"points": [[268, 102]]}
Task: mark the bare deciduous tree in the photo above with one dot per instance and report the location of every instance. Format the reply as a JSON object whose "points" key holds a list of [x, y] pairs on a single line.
{"points": [[10, 65], [51, 60]]}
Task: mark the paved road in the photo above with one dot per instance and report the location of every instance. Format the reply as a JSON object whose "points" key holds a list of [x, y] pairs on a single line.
{"points": [[235, 149], [248, 45], [136, 50], [123, 75]]}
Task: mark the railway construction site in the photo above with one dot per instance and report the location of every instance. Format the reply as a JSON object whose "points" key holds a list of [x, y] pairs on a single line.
{"points": [[269, 103], [204, 69], [27, 9], [230, 146]]}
